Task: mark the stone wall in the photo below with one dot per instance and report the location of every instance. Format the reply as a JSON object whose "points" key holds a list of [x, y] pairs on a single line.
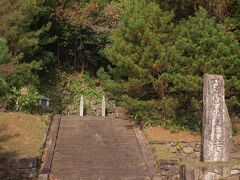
{"points": [[169, 169], [192, 150], [214, 172], [19, 168], [179, 151], [172, 170], [22, 168]]}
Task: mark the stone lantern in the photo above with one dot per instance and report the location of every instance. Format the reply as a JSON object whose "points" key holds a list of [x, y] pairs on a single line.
{"points": [[44, 102]]}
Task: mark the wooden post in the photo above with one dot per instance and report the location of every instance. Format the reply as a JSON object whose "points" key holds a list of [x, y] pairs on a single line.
{"points": [[81, 106], [103, 107]]}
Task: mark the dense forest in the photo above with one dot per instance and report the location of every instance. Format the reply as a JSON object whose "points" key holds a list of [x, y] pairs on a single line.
{"points": [[148, 56]]}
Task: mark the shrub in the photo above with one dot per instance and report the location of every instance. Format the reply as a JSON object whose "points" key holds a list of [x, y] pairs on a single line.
{"points": [[3, 87], [22, 79], [73, 86], [4, 52], [27, 99], [23, 93]]}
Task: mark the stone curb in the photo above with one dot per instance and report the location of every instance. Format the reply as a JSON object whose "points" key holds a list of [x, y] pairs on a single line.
{"points": [[50, 145], [165, 142], [151, 170]]}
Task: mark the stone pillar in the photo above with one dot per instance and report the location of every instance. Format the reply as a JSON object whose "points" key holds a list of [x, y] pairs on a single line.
{"points": [[103, 107], [216, 132], [81, 106]]}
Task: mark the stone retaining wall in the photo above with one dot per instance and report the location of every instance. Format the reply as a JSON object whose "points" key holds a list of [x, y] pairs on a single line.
{"points": [[209, 172], [19, 168], [22, 168], [171, 170], [192, 150]]}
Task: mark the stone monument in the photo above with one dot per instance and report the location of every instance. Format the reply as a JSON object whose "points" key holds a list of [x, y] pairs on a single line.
{"points": [[216, 132]]}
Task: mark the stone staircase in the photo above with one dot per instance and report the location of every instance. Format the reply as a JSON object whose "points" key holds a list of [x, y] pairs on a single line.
{"points": [[97, 148]]}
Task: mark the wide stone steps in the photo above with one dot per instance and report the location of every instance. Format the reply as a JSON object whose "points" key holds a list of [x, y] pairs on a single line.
{"points": [[97, 148]]}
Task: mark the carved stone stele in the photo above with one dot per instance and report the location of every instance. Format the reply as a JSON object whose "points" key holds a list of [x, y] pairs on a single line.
{"points": [[216, 129]]}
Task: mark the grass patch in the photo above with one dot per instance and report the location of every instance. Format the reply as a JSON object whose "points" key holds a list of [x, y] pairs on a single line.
{"points": [[161, 134], [210, 164], [21, 135], [160, 152]]}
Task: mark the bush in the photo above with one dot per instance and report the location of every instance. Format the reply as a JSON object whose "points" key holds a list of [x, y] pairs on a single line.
{"points": [[3, 87], [27, 99], [4, 52], [73, 86], [24, 99], [23, 93], [22, 79]]}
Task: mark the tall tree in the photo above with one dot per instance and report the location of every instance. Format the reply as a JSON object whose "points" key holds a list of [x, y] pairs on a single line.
{"points": [[83, 28], [137, 48], [25, 31]]}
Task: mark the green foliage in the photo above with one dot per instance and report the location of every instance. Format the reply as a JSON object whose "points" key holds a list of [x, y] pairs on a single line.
{"points": [[23, 93], [138, 44], [234, 130], [155, 66], [23, 99], [27, 99], [147, 112], [82, 28], [138, 54], [76, 85], [233, 20], [25, 31], [160, 66], [203, 46], [3, 87], [4, 52], [22, 79]]}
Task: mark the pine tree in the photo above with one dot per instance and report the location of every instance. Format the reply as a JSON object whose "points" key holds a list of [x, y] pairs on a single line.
{"points": [[139, 52], [159, 68], [203, 46], [137, 48], [25, 31]]}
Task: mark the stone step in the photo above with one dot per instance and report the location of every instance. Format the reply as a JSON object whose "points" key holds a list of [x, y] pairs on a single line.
{"points": [[94, 167], [96, 177], [97, 148], [84, 172]]}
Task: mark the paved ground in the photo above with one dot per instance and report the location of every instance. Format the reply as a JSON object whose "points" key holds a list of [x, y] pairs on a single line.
{"points": [[92, 148]]}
